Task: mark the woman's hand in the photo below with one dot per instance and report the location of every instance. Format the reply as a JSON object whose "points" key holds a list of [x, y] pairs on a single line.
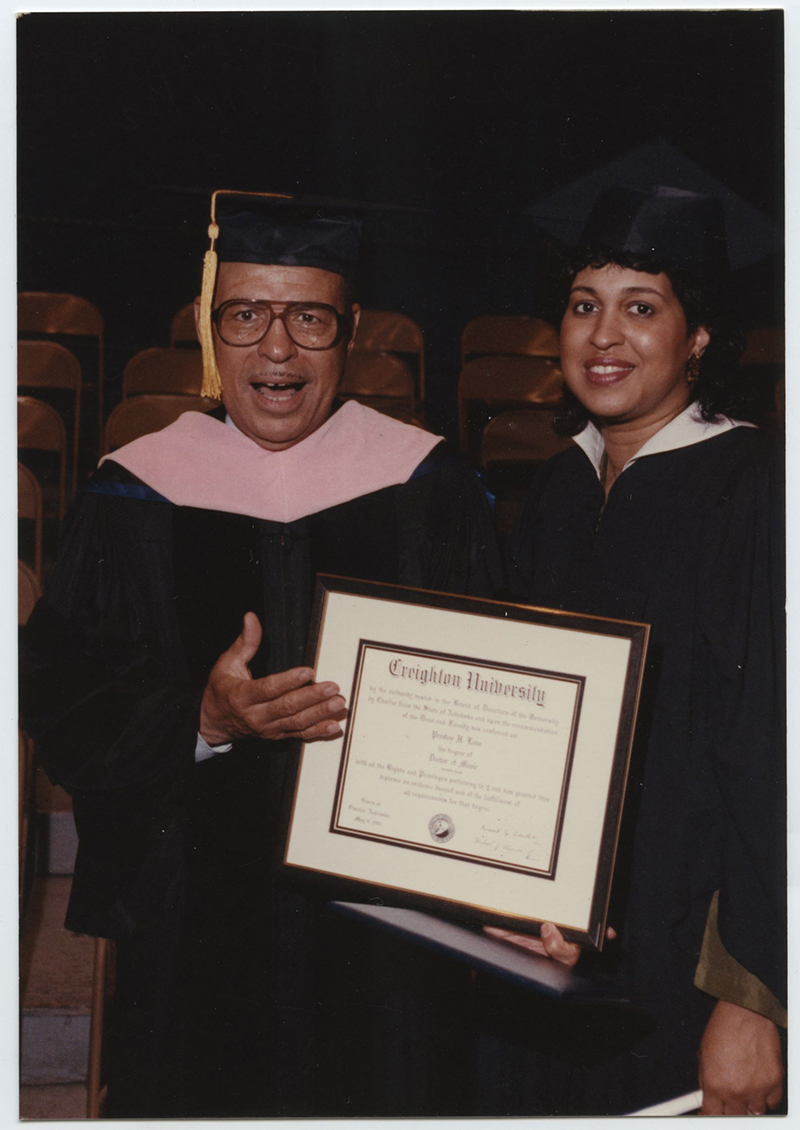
{"points": [[741, 1066], [551, 942]]}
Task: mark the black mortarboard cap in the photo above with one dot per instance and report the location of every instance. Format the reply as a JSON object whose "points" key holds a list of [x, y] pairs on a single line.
{"points": [[675, 227], [268, 228], [288, 234]]}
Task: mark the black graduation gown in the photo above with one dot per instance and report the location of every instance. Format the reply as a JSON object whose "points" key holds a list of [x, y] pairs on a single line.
{"points": [[235, 995], [689, 542]]}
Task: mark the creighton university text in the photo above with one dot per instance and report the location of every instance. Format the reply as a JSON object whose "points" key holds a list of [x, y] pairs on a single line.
{"points": [[472, 681]]}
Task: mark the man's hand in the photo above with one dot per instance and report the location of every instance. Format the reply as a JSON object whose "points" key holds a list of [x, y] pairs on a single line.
{"points": [[741, 1067], [552, 942], [287, 705]]}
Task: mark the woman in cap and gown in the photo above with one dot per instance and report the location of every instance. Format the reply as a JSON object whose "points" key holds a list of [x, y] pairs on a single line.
{"points": [[667, 510]]}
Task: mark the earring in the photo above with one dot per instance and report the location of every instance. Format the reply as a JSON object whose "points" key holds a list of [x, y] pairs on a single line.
{"points": [[693, 369]]}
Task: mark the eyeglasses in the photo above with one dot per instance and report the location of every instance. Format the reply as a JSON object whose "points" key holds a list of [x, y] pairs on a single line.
{"points": [[311, 325]]}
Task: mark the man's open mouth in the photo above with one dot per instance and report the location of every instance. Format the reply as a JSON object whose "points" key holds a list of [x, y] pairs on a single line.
{"points": [[278, 391]]}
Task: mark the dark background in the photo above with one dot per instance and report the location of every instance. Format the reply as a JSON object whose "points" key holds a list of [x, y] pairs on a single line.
{"points": [[128, 121]]}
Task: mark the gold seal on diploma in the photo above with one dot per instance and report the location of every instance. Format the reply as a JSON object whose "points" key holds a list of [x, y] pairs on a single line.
{"points": [[441, 828]]}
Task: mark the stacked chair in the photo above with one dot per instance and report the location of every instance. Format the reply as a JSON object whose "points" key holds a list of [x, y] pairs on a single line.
{"points": [[513, 445], [28, 592], [29, 512], [506, 362], [42, 450], [103, 970], [176, 372], [381, 381], [182, 332], [388, 332], [158, 385], [516, 335], [51, 373], [514, 437], [60, 355], [138, 415], [509, 385], [74, 322]]}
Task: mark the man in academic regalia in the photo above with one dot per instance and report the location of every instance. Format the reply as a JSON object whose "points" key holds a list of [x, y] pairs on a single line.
{"points": [[163, 685]]}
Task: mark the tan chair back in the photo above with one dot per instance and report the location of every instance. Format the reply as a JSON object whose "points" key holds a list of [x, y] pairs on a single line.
{"points": [[505, 382], [103, 978], [524, 436], [45, 312], [29, 501], [49, 313], [28, 592], [368, 374], [177, 372], [45, 364], [182, 331], [139, 415], [508, 335], [40, 428], [399, 411], [386, 331]]}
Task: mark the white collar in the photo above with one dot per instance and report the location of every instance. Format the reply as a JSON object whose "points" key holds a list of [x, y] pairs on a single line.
{"points": [[684, 430]]}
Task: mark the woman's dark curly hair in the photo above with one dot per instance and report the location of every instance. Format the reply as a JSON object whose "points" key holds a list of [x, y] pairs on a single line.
{"points": [[720, 388]]}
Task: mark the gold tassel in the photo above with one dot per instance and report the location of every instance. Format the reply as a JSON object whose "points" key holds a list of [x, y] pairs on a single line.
{"points": [[212, 385]]}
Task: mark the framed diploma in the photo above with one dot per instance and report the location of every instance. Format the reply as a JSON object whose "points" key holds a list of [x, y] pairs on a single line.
{"points": [[483, 764]]}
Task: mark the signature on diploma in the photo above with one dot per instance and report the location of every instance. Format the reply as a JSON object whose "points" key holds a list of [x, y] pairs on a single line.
{"points": [[510, 843]]}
